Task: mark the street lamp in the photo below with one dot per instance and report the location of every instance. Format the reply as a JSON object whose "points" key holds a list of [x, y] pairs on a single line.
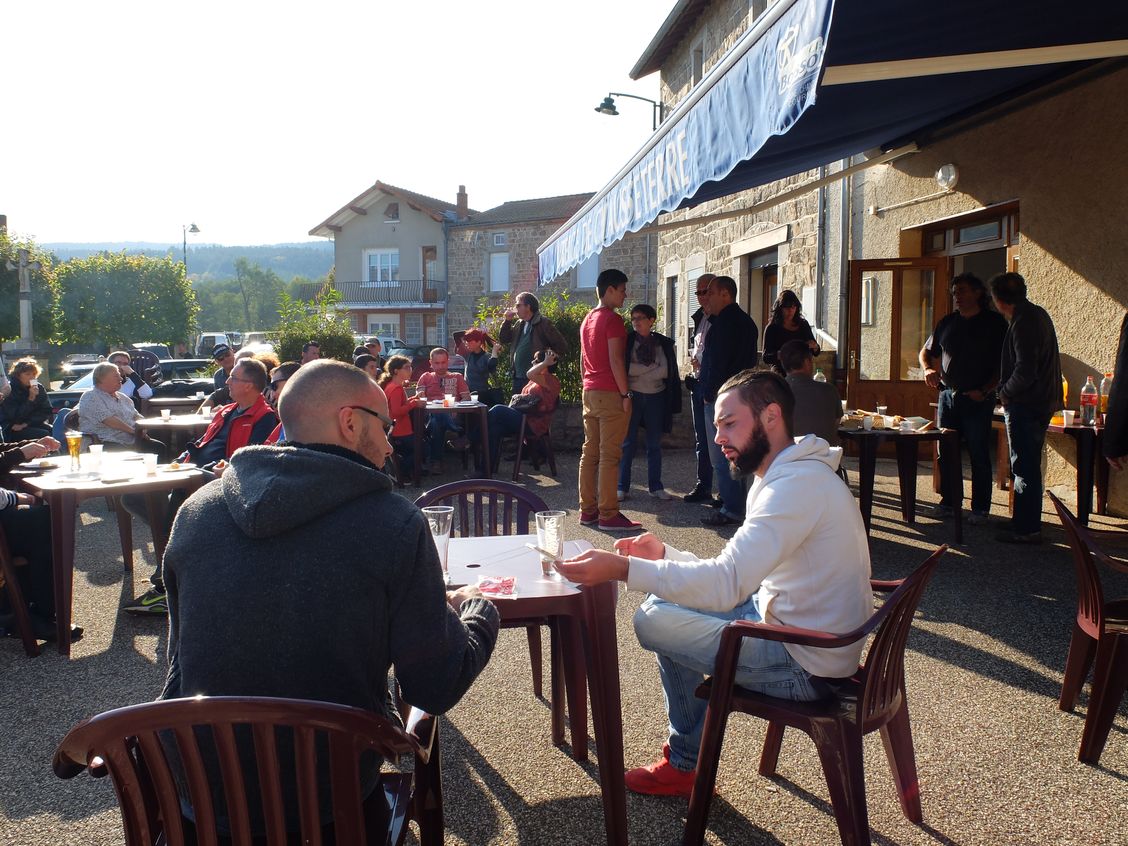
{"points": [[607, 107], [185, 228]]}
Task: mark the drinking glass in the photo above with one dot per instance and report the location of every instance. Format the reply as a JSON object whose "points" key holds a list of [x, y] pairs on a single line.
{"points": [[74, 445], [439, 519], [166, 413], [149, 462], [95, 456], [550, 538]]}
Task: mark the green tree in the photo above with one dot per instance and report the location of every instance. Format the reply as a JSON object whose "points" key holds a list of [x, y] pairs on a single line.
{"points": [[44, 292], [259, 290], [299, 321], [114, 299]]}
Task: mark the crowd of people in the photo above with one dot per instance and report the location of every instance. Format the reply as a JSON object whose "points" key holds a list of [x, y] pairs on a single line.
{"points": [[299, 450]]}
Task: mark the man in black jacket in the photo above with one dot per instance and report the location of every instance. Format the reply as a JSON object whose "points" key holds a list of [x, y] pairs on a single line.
{"points": [[344, 575], [1116, 418], [1030, 393], [730, 347], [703, 489]]}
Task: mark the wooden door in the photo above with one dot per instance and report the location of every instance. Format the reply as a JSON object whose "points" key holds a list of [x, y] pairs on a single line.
{"points": [[894, 305]]}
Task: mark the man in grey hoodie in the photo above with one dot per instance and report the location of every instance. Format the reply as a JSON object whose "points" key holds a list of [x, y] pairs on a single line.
{"points": [[300, 573]]}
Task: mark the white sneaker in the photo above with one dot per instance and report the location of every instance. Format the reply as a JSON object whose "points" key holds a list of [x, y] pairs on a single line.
{"points": [[621, 494], [660, 494]]}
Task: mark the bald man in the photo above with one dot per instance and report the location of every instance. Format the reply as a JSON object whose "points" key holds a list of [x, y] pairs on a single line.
{"points": [[300, 573]]}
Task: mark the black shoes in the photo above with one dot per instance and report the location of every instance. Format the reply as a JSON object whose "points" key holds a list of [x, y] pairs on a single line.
{"points": [[719, 518], [699, 494]]}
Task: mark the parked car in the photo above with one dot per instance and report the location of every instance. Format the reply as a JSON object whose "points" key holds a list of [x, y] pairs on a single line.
{"points": [[387, 342], [161, 351], [208, 341], [179, 377], [421, 359]]}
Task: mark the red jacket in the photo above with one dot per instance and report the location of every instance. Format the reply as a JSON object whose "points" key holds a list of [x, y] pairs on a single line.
{"points": [[239, 435]]}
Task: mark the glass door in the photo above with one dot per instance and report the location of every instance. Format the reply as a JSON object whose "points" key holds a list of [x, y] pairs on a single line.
{"points": [[894, 304]]}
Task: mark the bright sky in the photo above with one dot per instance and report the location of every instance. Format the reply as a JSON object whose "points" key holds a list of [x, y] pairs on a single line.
{"points": [[257, 120]]}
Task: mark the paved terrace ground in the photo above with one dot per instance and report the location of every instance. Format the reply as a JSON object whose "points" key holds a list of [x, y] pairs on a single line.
{"points": [[997, 759]]}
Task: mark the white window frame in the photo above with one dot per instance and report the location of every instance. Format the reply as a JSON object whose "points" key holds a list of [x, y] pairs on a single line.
{"points": [[387, 275], [497, 283], [414, 329], [500, 239], [380, 326], [587, 273]]}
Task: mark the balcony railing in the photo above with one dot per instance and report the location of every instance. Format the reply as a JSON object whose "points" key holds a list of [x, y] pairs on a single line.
{"points": [[400, 291]]}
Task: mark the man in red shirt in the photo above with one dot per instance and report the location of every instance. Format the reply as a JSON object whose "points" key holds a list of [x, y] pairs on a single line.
{"points": [[606, 404]]}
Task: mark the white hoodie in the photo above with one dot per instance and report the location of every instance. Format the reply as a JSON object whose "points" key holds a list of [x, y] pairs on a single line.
{"points": [[802, 548]]}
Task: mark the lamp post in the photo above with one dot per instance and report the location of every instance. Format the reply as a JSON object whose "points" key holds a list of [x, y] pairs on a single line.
{"points": [[607, 107], [185, 228]]}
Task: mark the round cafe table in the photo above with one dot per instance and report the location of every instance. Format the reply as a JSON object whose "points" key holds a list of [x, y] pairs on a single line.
{"points": [[179, 428]]}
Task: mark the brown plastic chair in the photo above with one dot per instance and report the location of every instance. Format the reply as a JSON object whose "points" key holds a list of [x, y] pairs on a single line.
{"points": [[488, 508], [126, 744], [15, 597], [528, 441], [873, 699], [1100, 631]]}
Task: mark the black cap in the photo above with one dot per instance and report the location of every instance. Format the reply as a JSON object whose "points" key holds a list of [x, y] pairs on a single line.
{"points": [[220, 350]]}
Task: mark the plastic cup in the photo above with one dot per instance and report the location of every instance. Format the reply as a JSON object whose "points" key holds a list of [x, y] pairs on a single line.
{"points": [[843, 407], [867, 422], [907, 426], [166, 413], [95, 456], [474, 398], [149, 462], [1068, 415], [199, 395], [448, 400], [439, 519], [550, 538], [882, 410]]}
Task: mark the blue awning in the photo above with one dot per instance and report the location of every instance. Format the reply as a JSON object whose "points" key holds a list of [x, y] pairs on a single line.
{"points": [[813, 82]]}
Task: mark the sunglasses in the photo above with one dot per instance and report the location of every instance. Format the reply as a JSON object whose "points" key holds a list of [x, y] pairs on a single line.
{"points": [[388, 422], [703, 292]]}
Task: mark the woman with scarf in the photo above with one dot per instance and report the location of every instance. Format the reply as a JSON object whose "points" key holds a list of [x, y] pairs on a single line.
{"points": [[652, 376]]}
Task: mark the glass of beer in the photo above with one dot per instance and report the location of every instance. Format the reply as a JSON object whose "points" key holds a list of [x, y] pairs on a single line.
{"points": [[74, 445]]}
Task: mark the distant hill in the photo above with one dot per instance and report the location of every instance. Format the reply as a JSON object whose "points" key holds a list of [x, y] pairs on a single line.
{"points": [[312, 259]]}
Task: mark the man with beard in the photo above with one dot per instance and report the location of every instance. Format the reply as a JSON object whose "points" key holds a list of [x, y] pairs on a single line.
{"points": [[800, 558]]}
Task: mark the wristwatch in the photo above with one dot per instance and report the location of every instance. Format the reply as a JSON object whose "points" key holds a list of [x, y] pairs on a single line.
{"points": [[627, 395]]}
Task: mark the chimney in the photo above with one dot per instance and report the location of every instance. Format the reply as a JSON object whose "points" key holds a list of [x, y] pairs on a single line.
{"points": [[463, 203]]}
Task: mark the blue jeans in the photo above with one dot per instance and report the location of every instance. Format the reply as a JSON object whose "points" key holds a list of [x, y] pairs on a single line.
{"points": [[1026, 434], [437, 426], [503, 421], [701, 438], [648, 410], [973, 421], [686, 641], [731, 490]]}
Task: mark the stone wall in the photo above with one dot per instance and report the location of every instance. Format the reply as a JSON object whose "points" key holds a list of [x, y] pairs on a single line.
{"points": [[469, 248]]}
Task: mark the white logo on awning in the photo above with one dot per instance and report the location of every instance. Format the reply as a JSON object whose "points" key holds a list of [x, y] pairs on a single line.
{"points": [[796, 65]]}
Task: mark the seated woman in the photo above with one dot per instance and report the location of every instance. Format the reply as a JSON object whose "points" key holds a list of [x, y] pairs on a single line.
{"points": [[506, 420], [27, 527], [397, 372], [26, 411]]}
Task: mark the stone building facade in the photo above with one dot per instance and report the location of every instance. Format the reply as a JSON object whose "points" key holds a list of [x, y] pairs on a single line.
{"points": [[493, 255], [1040, 180]]}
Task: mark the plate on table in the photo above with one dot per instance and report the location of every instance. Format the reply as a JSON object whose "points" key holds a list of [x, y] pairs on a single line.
{"points": [[466, 404], [79, 476], [45, 464], [178, 468], [111, 477]]}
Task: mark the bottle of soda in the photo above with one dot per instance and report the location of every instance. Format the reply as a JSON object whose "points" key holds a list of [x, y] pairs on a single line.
{"points": [[1088, 402], [1106, 387], [819, 376]]}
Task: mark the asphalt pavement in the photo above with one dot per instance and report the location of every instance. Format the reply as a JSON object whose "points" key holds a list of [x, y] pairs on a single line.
{"points": [[997, 759]]}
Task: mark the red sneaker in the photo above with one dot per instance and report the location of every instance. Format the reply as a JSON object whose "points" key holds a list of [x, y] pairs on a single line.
{"points": [[661, 778], [619, 523], [589, 518]]}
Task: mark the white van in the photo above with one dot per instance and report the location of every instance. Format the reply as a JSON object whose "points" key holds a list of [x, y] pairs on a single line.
{"points": [[208, 341], [387, 342]]}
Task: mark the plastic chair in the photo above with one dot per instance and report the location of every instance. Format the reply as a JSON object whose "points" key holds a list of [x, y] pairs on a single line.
{"points": [[530, 444], [1100, 631], [873, 699], [217, 734], [488, 508], [15, 597]]}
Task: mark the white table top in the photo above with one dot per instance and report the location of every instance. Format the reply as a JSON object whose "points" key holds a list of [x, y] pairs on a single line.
{"points": [[469, 559], [114, 470]]}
